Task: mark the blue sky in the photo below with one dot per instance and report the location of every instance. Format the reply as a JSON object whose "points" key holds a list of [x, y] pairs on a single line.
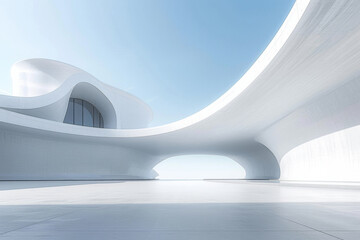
{"points": [[176, 55]]}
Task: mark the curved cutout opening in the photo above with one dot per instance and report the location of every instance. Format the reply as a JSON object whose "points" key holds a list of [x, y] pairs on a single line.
{"points": [[199, 167], [91, 94]]}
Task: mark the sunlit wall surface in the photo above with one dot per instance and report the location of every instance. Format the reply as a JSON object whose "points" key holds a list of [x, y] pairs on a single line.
{"points": [[199, 167], [335, 157]]}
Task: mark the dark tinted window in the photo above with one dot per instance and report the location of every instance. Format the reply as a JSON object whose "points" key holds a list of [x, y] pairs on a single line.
{"points": [[83, 113], [78, 116]]}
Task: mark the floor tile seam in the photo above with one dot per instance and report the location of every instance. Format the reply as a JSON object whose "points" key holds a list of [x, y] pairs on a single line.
{"points": [[32, 224], [313, 229]]}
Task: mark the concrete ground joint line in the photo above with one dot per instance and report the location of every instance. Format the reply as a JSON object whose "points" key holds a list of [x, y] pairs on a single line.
{"points": [[32, 224], [317, 230]]}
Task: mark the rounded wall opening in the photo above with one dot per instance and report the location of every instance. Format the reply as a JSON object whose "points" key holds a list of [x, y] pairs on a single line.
{"points": [[93, 95], [199, 167], [83, 113]]}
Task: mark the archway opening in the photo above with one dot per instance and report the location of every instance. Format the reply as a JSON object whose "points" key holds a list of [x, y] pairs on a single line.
{"points": [[199, 167]]}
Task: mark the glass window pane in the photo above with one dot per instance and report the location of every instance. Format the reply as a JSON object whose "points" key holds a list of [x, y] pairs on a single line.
{"points": [[101, 121], [88, 114], [81, 112], [69, 116], [96, 118], [78, 111]]}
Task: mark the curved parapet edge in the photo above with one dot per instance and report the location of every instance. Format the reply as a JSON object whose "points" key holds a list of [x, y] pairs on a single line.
{"points": [[250, 76], [44, 87]]}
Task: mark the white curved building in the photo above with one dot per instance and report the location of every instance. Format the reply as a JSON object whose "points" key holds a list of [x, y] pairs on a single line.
{"points": [[304, 86]]}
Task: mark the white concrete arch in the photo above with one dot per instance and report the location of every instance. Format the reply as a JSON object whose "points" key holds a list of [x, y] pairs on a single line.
{"points": [[256, 159]]}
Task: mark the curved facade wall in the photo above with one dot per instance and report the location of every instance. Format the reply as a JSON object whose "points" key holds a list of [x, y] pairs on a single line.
{"points": [[334, 157], [42, 88]]}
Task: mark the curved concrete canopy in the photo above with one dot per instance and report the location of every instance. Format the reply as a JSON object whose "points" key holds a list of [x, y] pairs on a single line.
{"points": [[304, 85]]}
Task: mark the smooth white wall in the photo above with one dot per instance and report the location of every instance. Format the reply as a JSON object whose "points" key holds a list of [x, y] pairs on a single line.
{"points": [[334, 157]]}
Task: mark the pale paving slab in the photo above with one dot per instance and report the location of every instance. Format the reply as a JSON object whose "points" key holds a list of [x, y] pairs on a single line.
{"points": [[178, 210]]}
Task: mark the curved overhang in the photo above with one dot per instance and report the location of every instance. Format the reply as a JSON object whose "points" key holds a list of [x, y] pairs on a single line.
{"points": [[93, 95], [42, 88], [63, 80], [308, 66]]}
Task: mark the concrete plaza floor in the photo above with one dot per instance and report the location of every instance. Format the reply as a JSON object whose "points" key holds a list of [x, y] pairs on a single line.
{"points": [[216, 209]]}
